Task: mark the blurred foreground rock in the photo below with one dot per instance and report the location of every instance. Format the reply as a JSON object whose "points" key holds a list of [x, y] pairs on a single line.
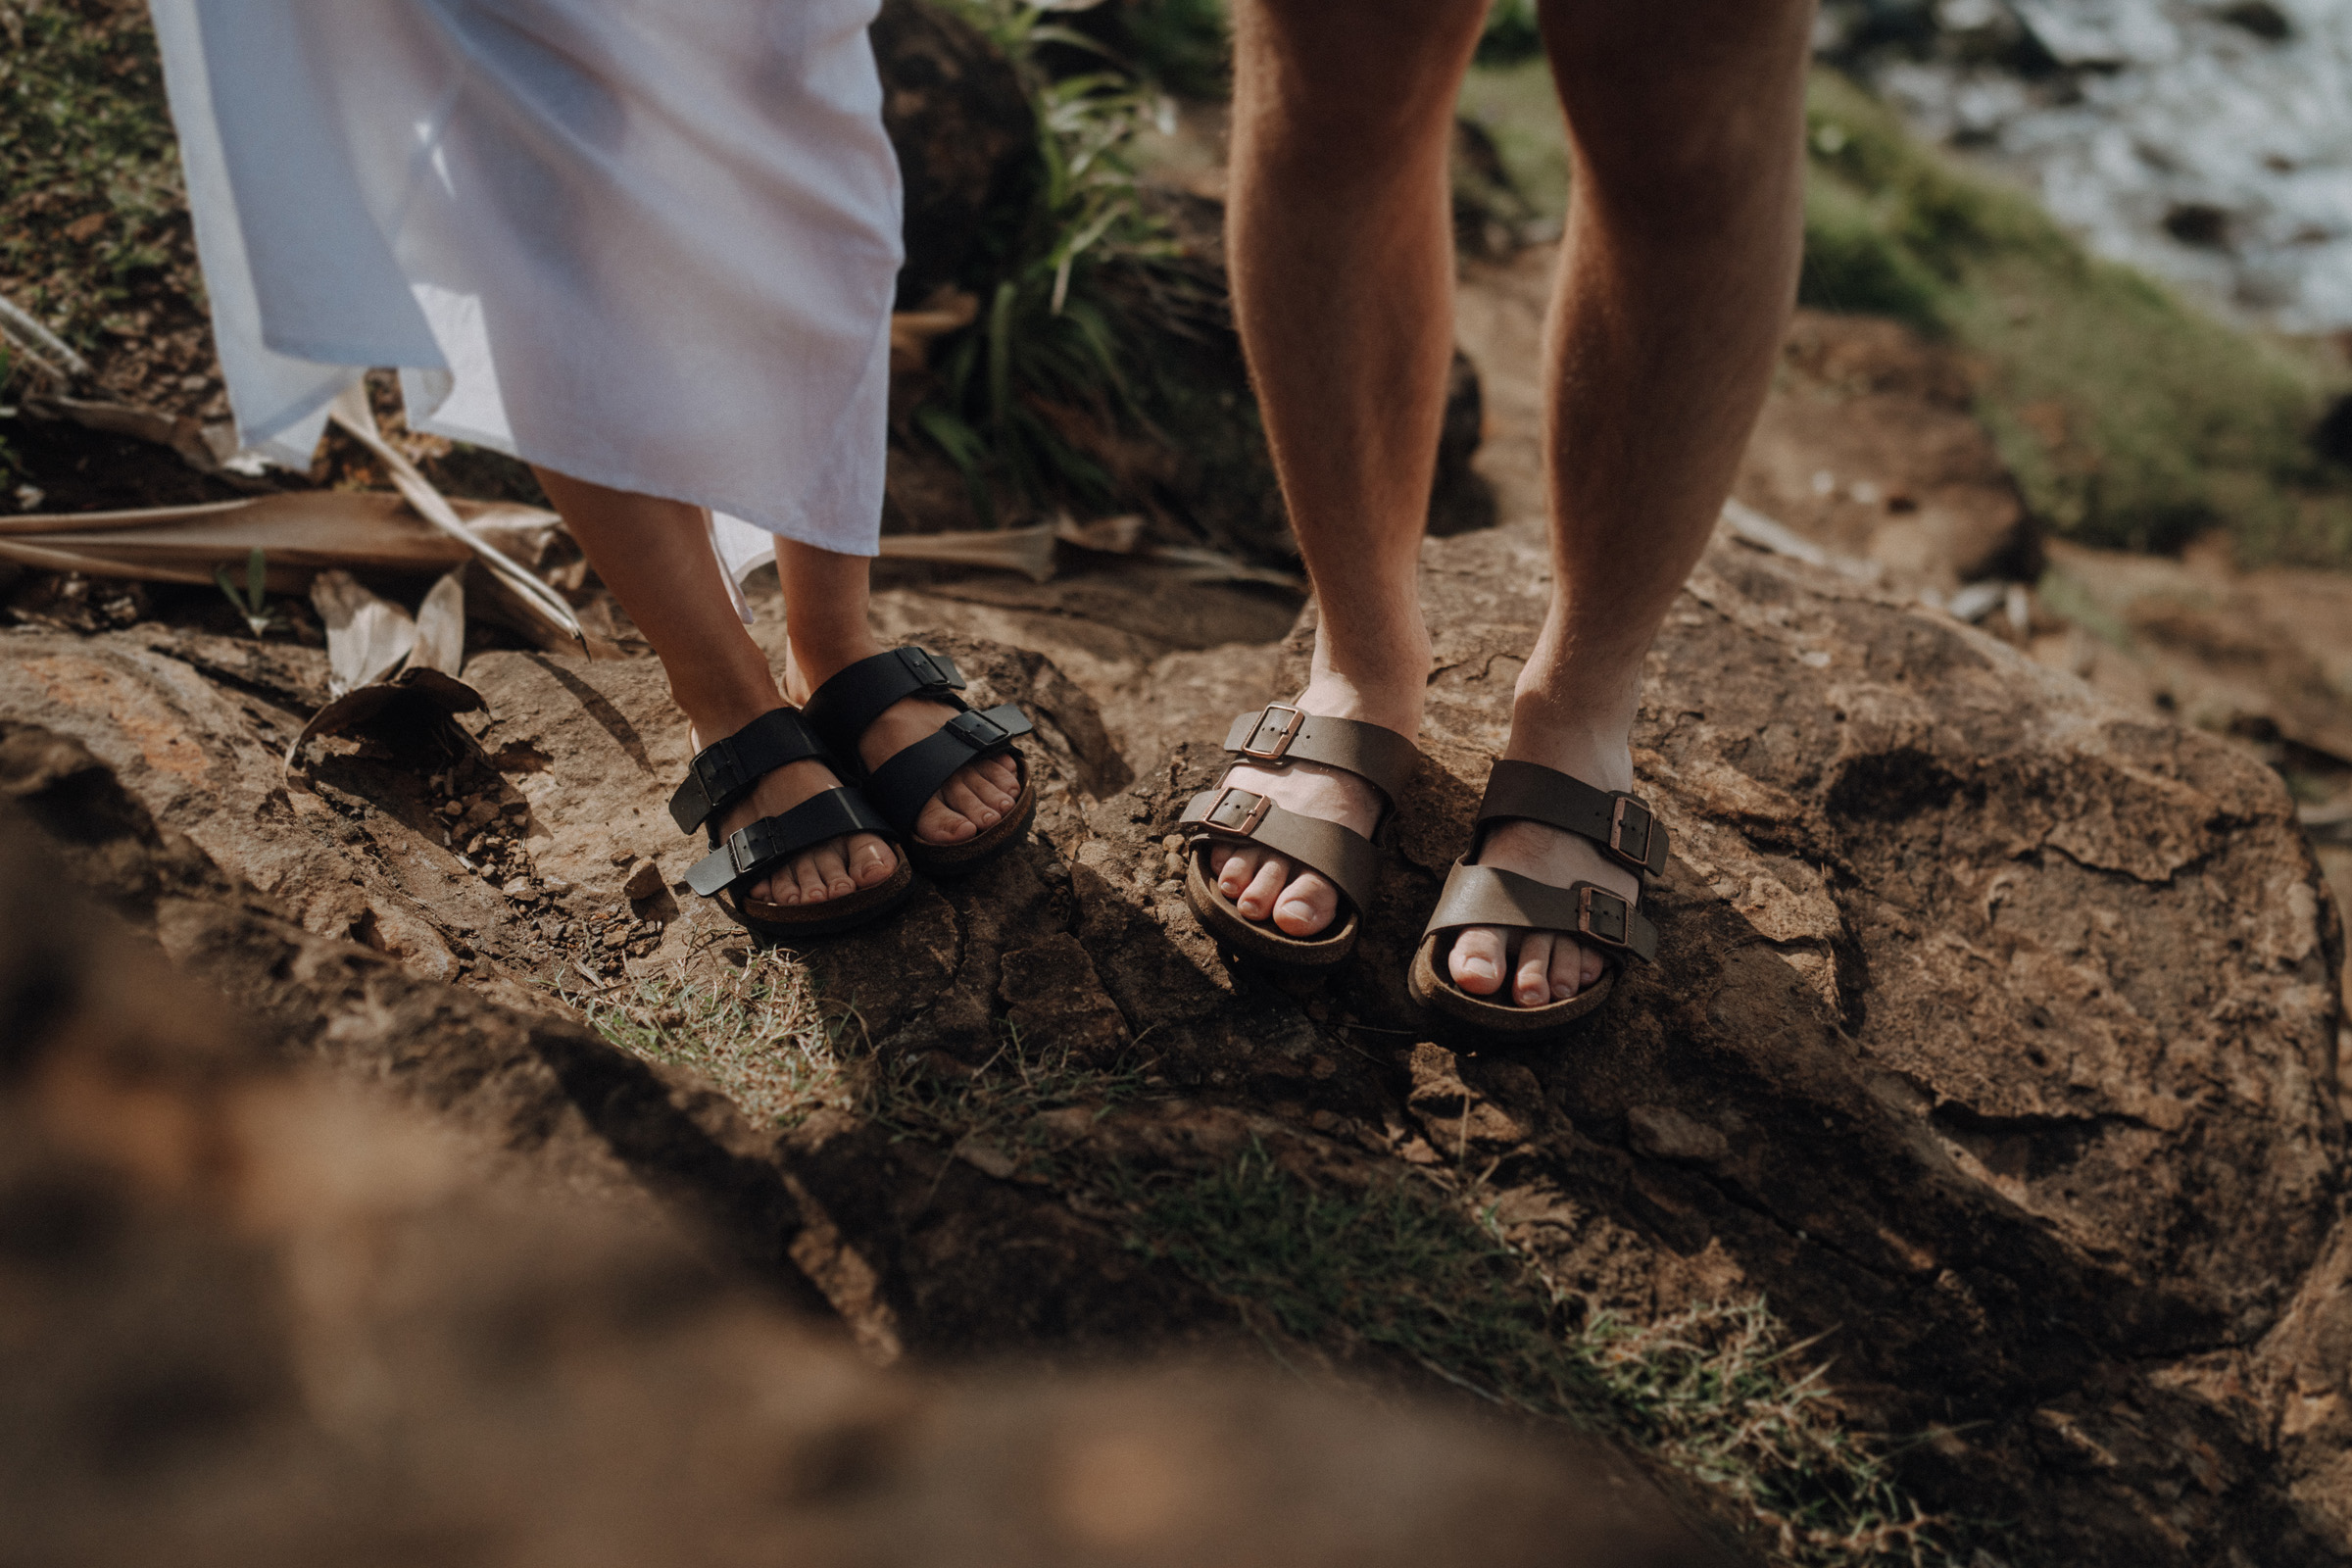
{"points": [[257, 1315]]}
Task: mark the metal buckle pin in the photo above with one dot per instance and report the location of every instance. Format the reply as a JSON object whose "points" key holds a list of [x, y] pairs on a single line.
{"points": [[1282, 742]]}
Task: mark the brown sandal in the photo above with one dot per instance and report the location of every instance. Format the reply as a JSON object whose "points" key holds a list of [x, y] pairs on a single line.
{"points": [[722, 773], [844, 707], [1282, 734], [1482, 895]]}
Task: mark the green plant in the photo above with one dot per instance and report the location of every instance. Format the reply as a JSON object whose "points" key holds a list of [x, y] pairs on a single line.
{"points": [[1033, 392], [252, 602]]}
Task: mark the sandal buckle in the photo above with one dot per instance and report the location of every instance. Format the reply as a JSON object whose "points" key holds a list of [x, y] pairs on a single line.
{"points": [[1633, 828], [929, 669], [718, 771], [1614, 913], [1282, 739], [1229, 802], [977, 730]]}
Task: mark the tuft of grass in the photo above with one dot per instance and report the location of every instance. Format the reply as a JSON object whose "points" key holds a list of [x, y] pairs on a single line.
{"points": [[1717, 1393], [759, 1033], [765, 1036]]}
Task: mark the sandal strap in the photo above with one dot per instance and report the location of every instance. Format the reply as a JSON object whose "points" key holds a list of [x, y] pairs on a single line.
{"points": [[1618, 820], [725, 772], [1282, 733], [902, 785], [1328, 848], [1488, 895], [748, 851], [857, 694]]}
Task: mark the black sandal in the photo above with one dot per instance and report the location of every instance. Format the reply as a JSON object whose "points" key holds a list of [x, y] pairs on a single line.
{"points": [[1277, 735], [1617, 820], [841, 710], [722, 773]]}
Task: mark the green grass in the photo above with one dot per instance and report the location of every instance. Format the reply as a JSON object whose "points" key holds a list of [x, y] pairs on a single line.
{"points": [[2131, 418], [760, 1034], [1402, 1270], [1717, 1393], [94, 235]]}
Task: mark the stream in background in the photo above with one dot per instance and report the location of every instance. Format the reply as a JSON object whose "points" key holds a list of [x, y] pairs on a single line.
{"points": [[2208, 142]]}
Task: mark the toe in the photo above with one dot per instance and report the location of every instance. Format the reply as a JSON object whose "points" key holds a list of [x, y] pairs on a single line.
{"points": [[779, 888], [996, 781], [942, 823], [1306, 905], [1567, 968], [833, 865], [1234, 867], [811, 880], [1594, 966], [1476, 962], [1257, 901], [1530, 985], [870, 860], [959, 794]]}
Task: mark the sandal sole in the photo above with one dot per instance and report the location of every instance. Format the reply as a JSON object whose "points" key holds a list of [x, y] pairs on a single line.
{"points": [[1499, 1021], [950, 860], [837, 917]]}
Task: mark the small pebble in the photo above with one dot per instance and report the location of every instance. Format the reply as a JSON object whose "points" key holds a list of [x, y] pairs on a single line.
{"points": [[645, 880]]}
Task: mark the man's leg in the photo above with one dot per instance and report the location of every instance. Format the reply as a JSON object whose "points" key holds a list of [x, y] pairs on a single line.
{"points": [[1685, 232], [1341, 242], [656, 557]]}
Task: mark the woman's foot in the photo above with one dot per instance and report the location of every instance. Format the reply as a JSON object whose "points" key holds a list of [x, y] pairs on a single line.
{"points": [[1544, 966], [976, 796], [1266, 886], [833, 869]]}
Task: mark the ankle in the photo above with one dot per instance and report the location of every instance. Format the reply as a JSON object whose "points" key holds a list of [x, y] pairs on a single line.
{"points": [[1581, 734], [716, 715], [812, 661]]}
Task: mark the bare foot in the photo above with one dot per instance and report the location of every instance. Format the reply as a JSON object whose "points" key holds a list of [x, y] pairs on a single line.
{"points": [[833, 869], [1545, 965], [1266, 886]]}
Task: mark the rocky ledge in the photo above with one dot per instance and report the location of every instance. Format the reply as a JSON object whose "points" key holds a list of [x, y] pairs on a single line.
{"points": [[1993, 1039]]}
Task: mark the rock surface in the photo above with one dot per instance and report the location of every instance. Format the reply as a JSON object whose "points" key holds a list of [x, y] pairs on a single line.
{"points": [[1994, 1033], [257, 1316]]}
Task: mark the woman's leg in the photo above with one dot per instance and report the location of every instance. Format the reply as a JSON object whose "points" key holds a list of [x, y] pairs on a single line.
{"points": [[656, 557], [1341, 242], [1684, 236], [825, 600]]}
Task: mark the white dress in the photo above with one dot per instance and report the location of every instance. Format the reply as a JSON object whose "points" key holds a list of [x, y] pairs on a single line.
{"points": [[647, 243]]}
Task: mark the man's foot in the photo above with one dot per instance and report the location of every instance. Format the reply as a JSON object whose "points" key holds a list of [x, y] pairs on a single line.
{"points": [[833, 869], [1544, 966], [1266, 886]]}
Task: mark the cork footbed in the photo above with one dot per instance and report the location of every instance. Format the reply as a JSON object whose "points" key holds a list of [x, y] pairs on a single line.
{"points": [[1433, 989]]}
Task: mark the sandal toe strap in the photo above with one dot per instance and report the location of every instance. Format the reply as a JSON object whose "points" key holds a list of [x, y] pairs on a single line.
{"points": [[900, 786], [1618, 820], [1328, 849], [1488, 895], [749, 852], [725, 772]]}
